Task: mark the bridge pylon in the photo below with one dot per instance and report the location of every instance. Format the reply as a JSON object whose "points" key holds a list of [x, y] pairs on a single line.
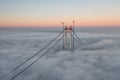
{"points": [[68, 41]]}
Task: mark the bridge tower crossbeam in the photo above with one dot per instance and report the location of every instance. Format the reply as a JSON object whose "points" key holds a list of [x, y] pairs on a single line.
{"points": [[68, 41]]}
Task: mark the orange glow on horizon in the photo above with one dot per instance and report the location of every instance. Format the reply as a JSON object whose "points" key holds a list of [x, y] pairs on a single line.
{"points": [[54, 23], [87, 24], [27, 23]]}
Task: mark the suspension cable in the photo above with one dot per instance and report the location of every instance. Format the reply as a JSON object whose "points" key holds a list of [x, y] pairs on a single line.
{"points": [[77, 41], [78, 38], [4, 76], [35, 60]]}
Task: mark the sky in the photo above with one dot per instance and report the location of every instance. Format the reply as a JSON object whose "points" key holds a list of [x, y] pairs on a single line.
{"points": [[42, 13]]}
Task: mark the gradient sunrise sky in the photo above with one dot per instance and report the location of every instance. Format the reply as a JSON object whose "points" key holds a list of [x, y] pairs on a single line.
{"points": [[26, 13]]}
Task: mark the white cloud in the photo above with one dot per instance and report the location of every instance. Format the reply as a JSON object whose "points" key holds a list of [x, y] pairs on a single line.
{"points": [[96, 61]]}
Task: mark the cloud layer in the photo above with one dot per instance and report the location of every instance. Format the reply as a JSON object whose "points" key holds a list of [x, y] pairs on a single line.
{"points": [[99, 59]]}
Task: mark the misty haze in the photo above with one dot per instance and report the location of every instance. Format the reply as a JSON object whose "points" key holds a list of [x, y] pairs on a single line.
{"points": [[98, 59]]}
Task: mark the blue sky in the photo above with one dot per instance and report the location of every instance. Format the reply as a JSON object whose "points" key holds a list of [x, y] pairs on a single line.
{"points": [[54, 11]]}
